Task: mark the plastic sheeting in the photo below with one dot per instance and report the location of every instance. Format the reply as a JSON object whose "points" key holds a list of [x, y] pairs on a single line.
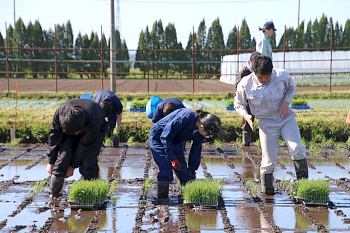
{"points": [[295, 63]]}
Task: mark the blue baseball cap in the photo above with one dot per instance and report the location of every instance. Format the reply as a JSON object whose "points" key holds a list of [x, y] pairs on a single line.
{"points": [[270, 25]]}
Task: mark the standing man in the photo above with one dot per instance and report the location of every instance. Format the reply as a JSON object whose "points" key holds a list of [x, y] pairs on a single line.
{"points": [[165, 107], [76, 135], [269, 92], [263, 44], [246, 129], [115, 118]]}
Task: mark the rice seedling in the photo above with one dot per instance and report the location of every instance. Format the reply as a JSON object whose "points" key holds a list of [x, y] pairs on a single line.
{"points": [[13, 143], [88, 191], [348, 143], [107, 141], [257, 142], [148, 183], [253, 187], [131, 142], [239, 141], [202, 191], [298, 102], [282, 142], [218, 143], [314, 190], [38, 187]]}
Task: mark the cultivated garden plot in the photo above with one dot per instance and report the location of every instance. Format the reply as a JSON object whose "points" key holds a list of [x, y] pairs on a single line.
{"points": [[133, 207]]}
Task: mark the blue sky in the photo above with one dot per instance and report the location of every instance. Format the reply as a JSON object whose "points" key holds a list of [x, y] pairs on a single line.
{"points": [[135, 15]]}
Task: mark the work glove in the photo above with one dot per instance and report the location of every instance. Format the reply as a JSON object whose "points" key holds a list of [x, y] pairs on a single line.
{"points": [[176, 165]]}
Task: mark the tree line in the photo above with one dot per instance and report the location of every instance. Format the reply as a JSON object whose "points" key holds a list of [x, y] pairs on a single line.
{"points": [[151, 54]]}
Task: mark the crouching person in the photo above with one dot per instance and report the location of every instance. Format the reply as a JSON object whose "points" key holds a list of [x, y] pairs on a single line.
{"points": [[269, 92], [76, 135], [166, 142]]}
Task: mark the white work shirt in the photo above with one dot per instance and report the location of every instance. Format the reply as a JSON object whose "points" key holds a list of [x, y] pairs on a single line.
{"points": [[263, 45], [265, 100]]}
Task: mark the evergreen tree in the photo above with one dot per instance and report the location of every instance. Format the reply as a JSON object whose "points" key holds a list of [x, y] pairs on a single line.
{"points": [[244, 36], [188, 55], [308, 35], [94, 54], [157, 42], [64, 40], [232, 40], [20, 41], [106, 54], [315, 41], [299, 36], [35, 40], [11, 52], [327, 38], [254, 43], [121, 55], [180, 56], [346, 34], [215, 41], [199, 44], [141, 53], [48, 37], [2, 54], [337, 38], [78, 55], [322, 31], [170, 43], [272, 41]]}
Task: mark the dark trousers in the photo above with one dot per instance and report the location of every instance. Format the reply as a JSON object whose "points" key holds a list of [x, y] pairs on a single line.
{"points": [[88, 168]]}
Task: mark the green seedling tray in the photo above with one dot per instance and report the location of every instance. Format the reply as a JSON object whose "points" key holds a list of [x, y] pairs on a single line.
{"points": [[202, 204], [88, 206], [307, 202]]}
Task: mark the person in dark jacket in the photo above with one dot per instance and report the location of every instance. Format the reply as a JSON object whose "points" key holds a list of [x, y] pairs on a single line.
{"points": [[246, 129], [115, 118], [166, 143], [76, 135], [165, 107]]}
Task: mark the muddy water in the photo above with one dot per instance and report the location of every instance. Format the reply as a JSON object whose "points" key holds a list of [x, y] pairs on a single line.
{"points": [[121, 211]]}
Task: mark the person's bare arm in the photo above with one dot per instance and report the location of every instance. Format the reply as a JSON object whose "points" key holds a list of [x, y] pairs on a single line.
{"points": [[348, 118]]}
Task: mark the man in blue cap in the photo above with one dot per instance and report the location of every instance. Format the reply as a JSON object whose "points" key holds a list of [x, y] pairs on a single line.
{"points": [[263, 44], [115, 119]]}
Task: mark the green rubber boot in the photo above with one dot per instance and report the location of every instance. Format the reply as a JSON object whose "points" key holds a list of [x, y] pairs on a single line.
{"points": [[267, 184], [301, 169], [163, 189], [56, 186]]}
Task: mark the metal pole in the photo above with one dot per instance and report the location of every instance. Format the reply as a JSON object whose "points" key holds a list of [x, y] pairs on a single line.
{"points": [[237, 50], [147, 60], [330, 70], [14, 13], [284, 47], [7, 64], [112, 51], [101, 60], [55, 57], [298, 12], [193, 59]]}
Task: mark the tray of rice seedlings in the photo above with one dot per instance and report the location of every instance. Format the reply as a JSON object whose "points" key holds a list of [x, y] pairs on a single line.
{"points": [[312, 192], [90, 194], [202, 192]]}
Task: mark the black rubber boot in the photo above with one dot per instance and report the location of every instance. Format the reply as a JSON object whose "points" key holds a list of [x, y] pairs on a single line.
{"points": [[267, 184], [246, 138], [115, 142], [56, 186], [301, 169], [163, 189]]}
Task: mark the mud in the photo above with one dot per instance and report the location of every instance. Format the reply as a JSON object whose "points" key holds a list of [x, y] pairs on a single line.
{"points": [[126, 211]]}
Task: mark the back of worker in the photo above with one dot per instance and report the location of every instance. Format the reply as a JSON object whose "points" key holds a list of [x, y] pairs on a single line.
{"points": [[158, 114]]}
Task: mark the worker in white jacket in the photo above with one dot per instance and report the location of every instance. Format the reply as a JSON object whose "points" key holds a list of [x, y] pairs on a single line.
{"points": [[269, 92]]}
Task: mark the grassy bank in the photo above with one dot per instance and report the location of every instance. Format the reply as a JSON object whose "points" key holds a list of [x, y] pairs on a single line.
{"points": [[316, 125]]}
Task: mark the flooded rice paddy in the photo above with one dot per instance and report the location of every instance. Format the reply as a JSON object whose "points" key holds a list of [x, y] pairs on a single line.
{"points": [[126, 211]]}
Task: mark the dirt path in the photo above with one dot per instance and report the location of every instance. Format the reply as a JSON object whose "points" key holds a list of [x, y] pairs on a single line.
{"points": [[131, 85]]}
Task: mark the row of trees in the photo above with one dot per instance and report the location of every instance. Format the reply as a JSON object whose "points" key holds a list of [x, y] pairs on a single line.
{"points": [[33, 36], [178, 59]]}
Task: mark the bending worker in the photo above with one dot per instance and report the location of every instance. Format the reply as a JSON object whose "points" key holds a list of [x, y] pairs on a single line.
{"points": [[269, 92], [76, 135], [165, 107], [115, 118], [246, 129], [166, 139]]}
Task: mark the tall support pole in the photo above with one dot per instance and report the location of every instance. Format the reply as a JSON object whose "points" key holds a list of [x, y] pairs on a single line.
{"points": [[284, 47], [55, 50], [101, 59], [14, 13], [193, 59], [112, 51], [330, 70], [147, 60], [237, 51], [7, 64], [298, 12]]}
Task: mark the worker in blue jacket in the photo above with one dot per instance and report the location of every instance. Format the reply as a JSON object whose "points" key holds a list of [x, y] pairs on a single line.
{"points": [[165, 107], [115, 118], [166, 140]]}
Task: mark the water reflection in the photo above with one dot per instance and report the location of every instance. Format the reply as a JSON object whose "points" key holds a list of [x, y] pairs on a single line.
{"points": [[201, 219]]}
